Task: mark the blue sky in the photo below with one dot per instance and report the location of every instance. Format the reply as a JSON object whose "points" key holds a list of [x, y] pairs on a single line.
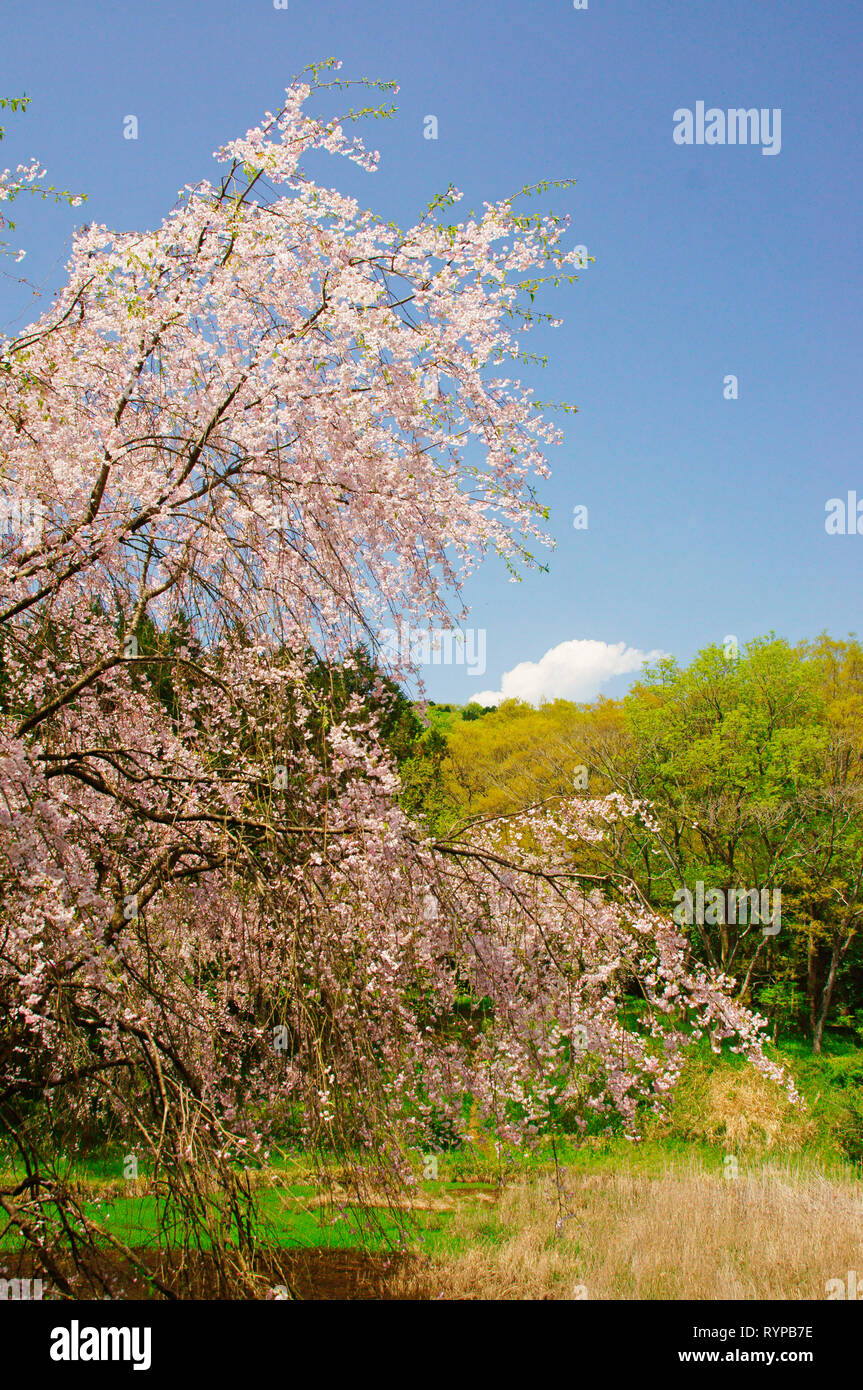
{"points": [[706, 515]]}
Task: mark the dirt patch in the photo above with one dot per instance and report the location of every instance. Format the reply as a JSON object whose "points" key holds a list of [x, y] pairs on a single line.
{"points": [[306, 1273], [445, 1202]]}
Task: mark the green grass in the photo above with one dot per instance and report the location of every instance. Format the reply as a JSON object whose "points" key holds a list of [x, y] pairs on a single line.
{"points": [[696, 1135], [286, 1220]]}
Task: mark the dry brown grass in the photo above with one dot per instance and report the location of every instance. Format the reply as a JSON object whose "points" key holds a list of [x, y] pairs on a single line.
{"points": [[738, 1108], [680, 1236]]}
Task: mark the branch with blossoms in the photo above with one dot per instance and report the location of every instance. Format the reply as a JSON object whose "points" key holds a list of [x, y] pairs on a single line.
{"points": [[26, 178]]}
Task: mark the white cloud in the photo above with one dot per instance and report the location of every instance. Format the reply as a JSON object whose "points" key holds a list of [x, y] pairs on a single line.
{"points": [[570, 671]]}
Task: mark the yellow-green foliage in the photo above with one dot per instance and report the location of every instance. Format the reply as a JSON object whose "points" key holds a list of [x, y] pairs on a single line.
{"points": [[520, 755]]}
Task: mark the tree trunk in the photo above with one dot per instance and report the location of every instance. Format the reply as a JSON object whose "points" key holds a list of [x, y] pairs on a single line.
{"points": [[743, 992], [827, 993], [812, 981]]}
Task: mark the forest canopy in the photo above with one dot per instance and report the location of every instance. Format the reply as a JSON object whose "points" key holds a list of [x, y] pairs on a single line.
{"points": [[752, 763]]}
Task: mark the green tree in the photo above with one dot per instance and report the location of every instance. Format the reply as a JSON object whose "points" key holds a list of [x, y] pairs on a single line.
{"points": [[749, 762]]}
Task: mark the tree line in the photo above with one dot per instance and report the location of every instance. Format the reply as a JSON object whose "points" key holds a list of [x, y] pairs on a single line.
{"points": [[752, 762]]}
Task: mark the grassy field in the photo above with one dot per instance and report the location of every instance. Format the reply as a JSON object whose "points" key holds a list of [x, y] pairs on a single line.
{"points": [[734, 1194]]}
